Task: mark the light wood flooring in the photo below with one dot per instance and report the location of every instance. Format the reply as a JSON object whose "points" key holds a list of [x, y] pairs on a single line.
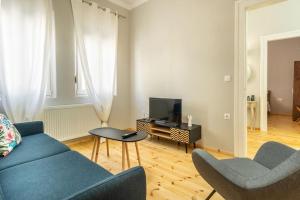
{"points": [[170, 171], [280, 129]]}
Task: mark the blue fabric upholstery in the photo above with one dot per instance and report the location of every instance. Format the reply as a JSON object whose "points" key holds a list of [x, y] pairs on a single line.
{"points": [[55, 177], [32, 148], [130, 184], [246, 167], [1, 194], [30, 128], [265, 154], [43, 168]]}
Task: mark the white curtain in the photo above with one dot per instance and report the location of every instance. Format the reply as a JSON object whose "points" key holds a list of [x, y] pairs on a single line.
{"points": [[25, 50], [96, 42]]}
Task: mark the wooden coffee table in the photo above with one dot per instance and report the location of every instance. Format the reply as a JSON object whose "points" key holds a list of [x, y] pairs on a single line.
{"points": [[116, 134]]}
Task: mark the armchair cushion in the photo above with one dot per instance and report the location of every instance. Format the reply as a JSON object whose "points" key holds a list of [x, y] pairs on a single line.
{"points": [[238, 171], [245, 167]]}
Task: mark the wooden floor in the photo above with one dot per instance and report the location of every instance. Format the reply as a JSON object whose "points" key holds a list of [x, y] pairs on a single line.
{"points": [[280, 129], [170, 171]]}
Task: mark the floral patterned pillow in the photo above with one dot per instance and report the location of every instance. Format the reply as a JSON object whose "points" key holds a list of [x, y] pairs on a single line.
{"points": [[9, 136]]}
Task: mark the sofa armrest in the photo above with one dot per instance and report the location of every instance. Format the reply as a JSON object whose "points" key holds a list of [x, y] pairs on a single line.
{"points": [[128, 185], [271, 154], [30, 128]]}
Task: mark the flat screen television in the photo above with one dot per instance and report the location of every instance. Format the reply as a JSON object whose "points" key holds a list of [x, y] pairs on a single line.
{"points": [[165, 109]]}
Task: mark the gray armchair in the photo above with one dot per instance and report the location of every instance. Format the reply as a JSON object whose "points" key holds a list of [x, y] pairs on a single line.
{"points": [[274, 174]]}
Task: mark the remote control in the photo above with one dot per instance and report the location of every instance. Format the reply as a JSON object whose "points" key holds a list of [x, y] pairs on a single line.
{"points": [[128, 135]]}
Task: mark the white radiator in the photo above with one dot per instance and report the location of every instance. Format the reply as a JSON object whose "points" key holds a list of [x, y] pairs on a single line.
{"points": [[70, 122]]}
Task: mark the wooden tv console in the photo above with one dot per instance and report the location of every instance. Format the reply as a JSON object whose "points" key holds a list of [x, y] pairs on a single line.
{"points": [[183, 133]]}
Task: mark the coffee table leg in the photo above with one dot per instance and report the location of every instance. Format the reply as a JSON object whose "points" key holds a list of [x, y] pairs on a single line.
{"points": [[127, 155], [137, 153], [123, 155], [94, 146], [107, 148], [97, 149]]}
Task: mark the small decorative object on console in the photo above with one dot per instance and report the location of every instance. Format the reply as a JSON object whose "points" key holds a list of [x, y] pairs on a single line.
{"points": [[190, 117]]}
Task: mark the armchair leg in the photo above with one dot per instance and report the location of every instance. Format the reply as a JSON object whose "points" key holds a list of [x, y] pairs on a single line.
{"points": [[210, 195]]}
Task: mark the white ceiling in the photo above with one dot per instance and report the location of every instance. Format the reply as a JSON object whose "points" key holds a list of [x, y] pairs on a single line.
{"points": [[128, 4]]}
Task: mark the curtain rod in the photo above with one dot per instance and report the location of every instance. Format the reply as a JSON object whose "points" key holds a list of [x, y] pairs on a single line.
{"points": [[104, 9]]}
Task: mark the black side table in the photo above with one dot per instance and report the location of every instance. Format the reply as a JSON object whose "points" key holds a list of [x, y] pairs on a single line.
{"points": [[116, 134]]}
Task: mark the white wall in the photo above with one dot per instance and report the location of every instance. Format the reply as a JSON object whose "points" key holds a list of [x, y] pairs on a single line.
{"points": [[281, 57], [66, 66], [183, 49], [278, 18]]}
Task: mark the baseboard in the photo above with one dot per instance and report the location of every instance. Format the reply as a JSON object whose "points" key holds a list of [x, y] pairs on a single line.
{"points": [[78, 140], [215, 150], [283, 115], [256, 129]]}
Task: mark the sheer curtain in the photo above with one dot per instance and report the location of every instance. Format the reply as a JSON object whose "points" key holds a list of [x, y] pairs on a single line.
{"points": [[96, 39], [26, 33]]}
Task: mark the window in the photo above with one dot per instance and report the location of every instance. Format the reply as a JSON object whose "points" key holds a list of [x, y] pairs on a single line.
{"points": [[51, 84], [80, 86], [81, 89]]}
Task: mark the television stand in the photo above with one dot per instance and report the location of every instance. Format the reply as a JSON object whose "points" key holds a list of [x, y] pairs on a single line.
{"points": [[166, 124], [181, 133]]}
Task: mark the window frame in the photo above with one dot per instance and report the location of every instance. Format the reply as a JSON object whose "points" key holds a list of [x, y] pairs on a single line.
{"points": [[51, 90], [51, 85], [80, 91]]}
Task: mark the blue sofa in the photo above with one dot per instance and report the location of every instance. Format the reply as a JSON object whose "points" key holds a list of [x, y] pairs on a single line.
{"points": [[43, 168]]}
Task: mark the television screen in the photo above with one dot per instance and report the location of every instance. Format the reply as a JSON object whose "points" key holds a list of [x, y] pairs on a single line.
{"points": [[165, 109]]}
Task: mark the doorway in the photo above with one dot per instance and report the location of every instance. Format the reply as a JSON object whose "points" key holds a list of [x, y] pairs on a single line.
{"points": [[278, 54], [281, 21], [271, 60], [283, 95]]}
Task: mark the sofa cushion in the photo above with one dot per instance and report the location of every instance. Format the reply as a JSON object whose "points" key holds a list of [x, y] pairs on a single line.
{"points": [[30, 128], [31, 148], [55, 177]]}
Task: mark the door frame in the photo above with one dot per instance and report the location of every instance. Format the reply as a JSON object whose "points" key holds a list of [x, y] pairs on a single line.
{"points": [[240, 106], [264, 40]]}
